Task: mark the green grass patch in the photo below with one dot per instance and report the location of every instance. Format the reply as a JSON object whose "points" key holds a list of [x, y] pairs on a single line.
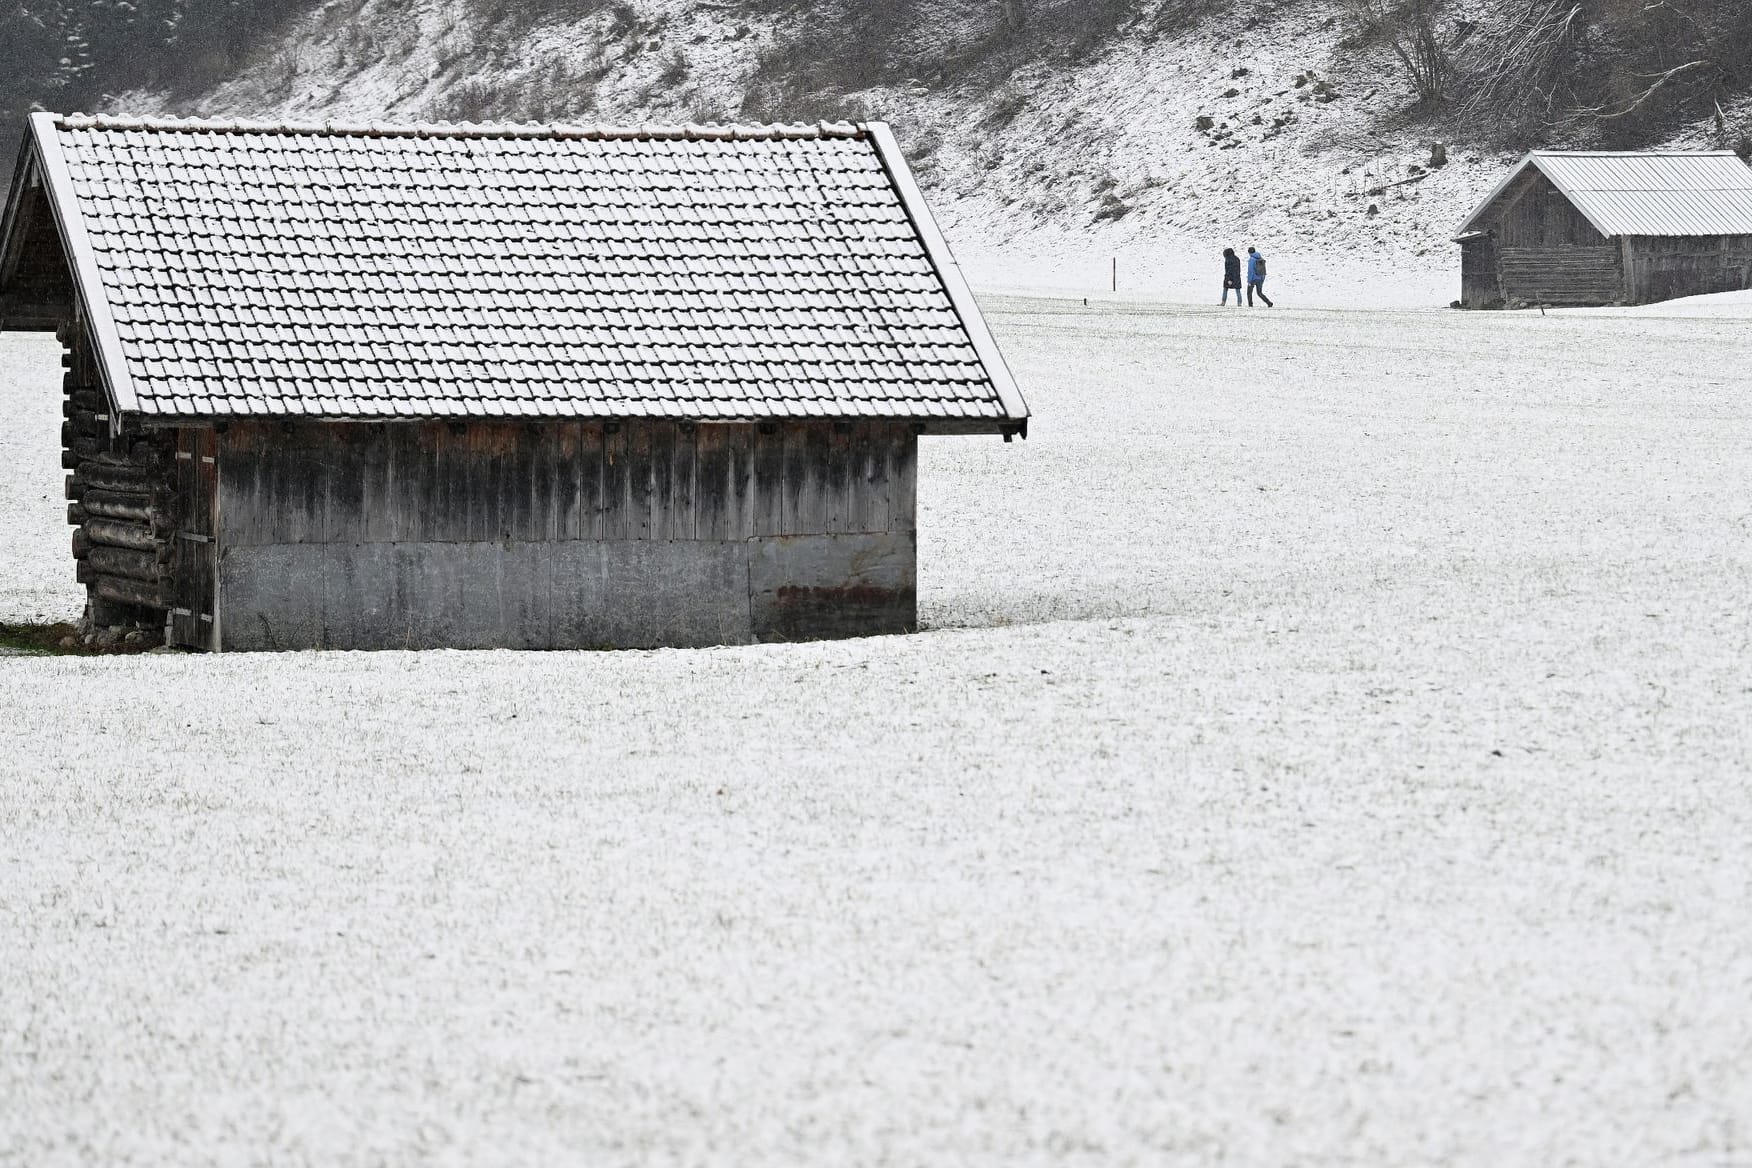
{"points": [[46, 640], [37, 640]]}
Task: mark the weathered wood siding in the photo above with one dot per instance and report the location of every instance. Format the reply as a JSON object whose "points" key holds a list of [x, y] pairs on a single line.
{"points": [[1667, 267], [1574, 276], [562, 535], [1535, 214], [1539, 249], [119, 498], [193, 615], [1481, 284], [40, 295]]}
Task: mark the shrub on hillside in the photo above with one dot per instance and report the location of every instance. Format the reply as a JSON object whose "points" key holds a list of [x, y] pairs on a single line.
{"points": [[834, 47], [1618, 73], [1414, 34]]}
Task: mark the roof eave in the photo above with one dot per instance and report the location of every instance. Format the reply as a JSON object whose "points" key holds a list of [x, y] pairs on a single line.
{"points": [[1005, 427], [949, 272], [1467, 225], [82, 261]]}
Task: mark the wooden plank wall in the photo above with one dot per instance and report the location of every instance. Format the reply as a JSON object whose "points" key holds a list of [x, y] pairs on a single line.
{"points": [[120, 501], [1540, 250], [41, 286], [1535, 214], [1576, 276], [1665, 268], [1481, 284], [563, 534], [194, 615]]}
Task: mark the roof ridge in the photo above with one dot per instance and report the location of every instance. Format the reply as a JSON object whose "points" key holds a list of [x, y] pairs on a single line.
{"points": [[690, 131], [1638, 153]]}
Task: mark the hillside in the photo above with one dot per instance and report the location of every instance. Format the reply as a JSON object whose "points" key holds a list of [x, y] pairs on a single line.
{"points": [[1072, 129]]}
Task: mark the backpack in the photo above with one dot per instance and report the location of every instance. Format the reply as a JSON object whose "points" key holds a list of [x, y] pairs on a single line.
{"points": [[1262, 267]]}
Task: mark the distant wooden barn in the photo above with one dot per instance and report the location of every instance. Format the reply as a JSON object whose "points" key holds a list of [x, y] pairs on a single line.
{"points": [[1567, 228], [530, 387]]}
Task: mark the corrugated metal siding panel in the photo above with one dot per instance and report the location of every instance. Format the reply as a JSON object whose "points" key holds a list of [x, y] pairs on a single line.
{"points": [[1656, 194], [363, 274]]}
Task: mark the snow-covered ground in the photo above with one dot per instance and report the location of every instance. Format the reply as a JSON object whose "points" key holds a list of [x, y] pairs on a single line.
{"points": [[1732, 309], [1180, 275], [36, 579], [1329, 746]]}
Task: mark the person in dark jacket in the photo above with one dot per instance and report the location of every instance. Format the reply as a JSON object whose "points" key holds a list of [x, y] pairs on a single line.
{"points": [[1231, 275], [1256, 278]]}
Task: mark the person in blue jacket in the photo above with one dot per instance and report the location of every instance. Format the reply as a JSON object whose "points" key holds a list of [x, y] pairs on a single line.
{"points": [[1256, 279], [1231, 275]]}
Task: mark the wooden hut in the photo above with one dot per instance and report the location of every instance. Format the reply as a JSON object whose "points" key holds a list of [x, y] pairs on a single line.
{"points": [[532, 387], [1570, 228]]}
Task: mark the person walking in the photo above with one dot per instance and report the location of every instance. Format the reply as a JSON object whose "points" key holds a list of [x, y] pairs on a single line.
{"points": [[1256, 279], [1231, 276]]}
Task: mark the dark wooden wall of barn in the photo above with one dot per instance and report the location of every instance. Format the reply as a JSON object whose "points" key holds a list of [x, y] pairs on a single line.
{"points": [[1534, 213], [120, 500], [39, 286], [194, 562], [1481, 284], [1540, 250], [562, 535], [1667, 267], [1575, 277]]}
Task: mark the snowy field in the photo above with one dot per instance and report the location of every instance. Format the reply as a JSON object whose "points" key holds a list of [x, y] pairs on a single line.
{"points": [[1329, 746], [1167, 271]]}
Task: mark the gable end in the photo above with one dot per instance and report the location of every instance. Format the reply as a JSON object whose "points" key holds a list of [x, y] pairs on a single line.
{"points": [[36, 286]]}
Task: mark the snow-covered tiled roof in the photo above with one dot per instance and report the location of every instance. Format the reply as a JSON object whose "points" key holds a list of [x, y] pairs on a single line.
{"points": [[361, 271], [1645, 193]]}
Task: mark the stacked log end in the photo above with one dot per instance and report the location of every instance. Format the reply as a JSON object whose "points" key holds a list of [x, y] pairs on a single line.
{"points": [[120, 493]]}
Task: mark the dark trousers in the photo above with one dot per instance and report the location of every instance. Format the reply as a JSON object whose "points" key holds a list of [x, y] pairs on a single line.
{"points": [[1259, 287]]}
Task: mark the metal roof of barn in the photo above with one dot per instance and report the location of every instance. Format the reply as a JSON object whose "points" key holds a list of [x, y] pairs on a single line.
{"points": [[234, 269], [1643, 193]]}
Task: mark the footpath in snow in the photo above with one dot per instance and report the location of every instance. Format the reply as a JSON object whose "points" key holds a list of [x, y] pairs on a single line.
{"points": [[1175, 272]]}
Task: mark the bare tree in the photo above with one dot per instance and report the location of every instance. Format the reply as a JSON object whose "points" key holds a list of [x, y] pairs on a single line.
{"points": [[1621, 72], [1531, 63], [1409, 29]]}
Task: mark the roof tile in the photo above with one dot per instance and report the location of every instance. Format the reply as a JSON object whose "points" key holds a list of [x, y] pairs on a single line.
{"points": [[517, 271]]}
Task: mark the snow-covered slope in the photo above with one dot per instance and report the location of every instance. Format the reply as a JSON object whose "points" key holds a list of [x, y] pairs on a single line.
{"points": [[1183, 135], [1158, 131]]}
